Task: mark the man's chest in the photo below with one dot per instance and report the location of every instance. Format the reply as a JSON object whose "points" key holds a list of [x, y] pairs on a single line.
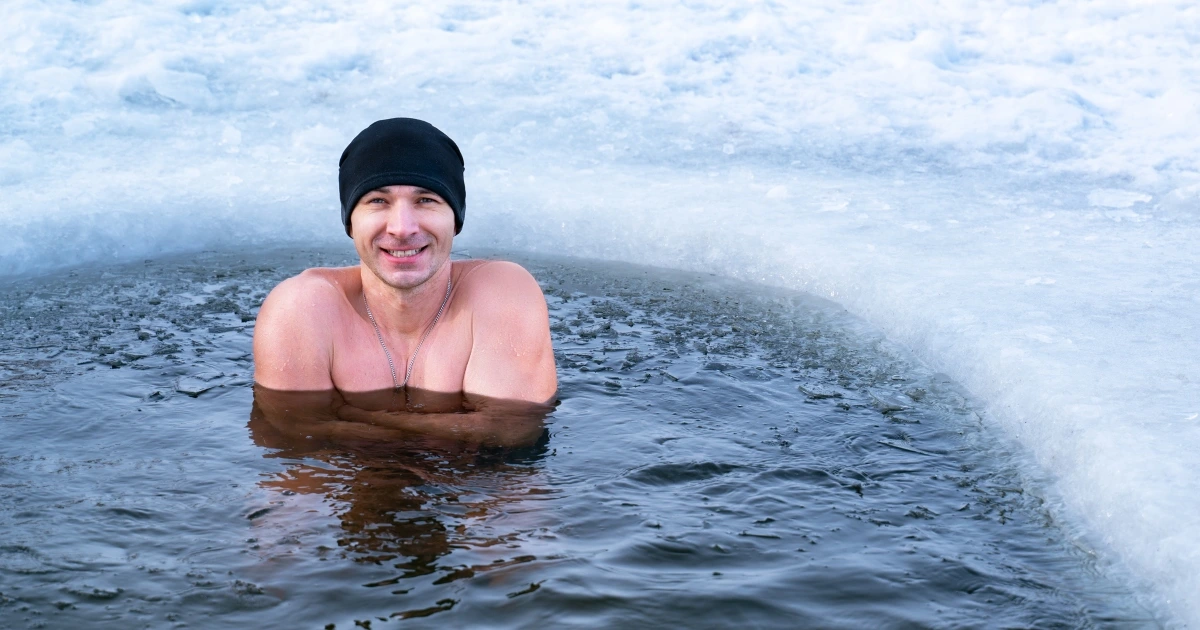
{"points": [[362, 363]]}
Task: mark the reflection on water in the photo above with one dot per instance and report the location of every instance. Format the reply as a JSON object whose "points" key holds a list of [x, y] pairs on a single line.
{"points": [[406, 472]]}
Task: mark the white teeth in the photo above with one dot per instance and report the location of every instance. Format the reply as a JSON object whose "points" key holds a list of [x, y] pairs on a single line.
{"points": [[403, 253]]}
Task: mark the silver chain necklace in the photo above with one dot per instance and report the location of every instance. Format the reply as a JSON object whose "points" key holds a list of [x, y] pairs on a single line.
{"points": [[411, 361]]}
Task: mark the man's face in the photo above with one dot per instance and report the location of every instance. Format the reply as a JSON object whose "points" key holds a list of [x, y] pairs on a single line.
{"points": [[403, 234]]}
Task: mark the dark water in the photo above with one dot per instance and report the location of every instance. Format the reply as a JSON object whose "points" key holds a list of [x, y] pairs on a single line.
{"points": [[721, 456]]}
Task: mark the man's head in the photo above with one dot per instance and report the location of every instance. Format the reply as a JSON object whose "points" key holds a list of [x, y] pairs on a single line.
{"points": [[403, 199], [405, 152]]}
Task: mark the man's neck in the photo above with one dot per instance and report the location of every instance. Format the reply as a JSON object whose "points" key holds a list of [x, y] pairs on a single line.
{"points": [[405, 312]]}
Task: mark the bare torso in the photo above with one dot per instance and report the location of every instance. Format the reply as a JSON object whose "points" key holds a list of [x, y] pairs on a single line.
{"points": [[359, 363], [492, 338]]}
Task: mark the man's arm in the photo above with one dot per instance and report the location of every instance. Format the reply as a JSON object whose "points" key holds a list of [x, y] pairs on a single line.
{"points": [[293, 347], [511, 355], [316, 419]]}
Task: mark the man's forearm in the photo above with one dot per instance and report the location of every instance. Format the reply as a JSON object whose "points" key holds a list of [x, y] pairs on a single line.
{"points": [[485, 427], [298, 418]]}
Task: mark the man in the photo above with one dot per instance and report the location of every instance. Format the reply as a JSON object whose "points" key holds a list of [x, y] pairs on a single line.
{"points": [[406, 317]]}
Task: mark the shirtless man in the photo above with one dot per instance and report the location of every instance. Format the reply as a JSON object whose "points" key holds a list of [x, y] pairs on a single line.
{"points": [[406, 316]]}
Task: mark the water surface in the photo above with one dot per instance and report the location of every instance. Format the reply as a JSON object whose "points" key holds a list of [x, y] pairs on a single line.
{"points": [[720, 455]]}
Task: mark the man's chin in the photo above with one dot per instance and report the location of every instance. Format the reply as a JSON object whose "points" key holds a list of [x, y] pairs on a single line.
{"points": [[403, 279]]}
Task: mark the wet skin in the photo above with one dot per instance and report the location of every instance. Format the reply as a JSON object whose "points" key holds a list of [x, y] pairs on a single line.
{"points": [[493, 338]]}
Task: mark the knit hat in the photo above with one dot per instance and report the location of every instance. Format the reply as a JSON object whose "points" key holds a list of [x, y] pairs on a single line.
{"points": [[402, 151]]}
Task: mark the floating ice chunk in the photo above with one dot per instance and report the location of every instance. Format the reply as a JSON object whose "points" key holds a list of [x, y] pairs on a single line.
{"points": [[778, 192], [818, 392], [889, 402], [195, 384], [1116, 198], [1040, 280]]}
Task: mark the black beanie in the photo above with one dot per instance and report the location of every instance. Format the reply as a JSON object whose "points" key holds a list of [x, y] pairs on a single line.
{"points": [[402, 151]]}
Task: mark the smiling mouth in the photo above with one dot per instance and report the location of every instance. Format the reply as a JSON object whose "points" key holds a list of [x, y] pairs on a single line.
{"points": [[405, 253]]}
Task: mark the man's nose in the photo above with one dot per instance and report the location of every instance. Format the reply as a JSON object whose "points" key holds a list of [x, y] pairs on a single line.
{"points": [[402, 220]]}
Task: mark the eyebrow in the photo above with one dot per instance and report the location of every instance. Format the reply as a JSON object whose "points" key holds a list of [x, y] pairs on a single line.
{"points": [[417, 189]]}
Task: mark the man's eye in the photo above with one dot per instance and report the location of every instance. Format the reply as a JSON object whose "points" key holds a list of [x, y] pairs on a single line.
{"points": [[377, 200], [427, 200]]}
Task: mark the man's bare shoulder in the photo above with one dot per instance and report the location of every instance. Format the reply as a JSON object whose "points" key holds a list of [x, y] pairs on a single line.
{"points": [[323, 286], [499, 283], [293, 340], [511, 354], [307, 304]]}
